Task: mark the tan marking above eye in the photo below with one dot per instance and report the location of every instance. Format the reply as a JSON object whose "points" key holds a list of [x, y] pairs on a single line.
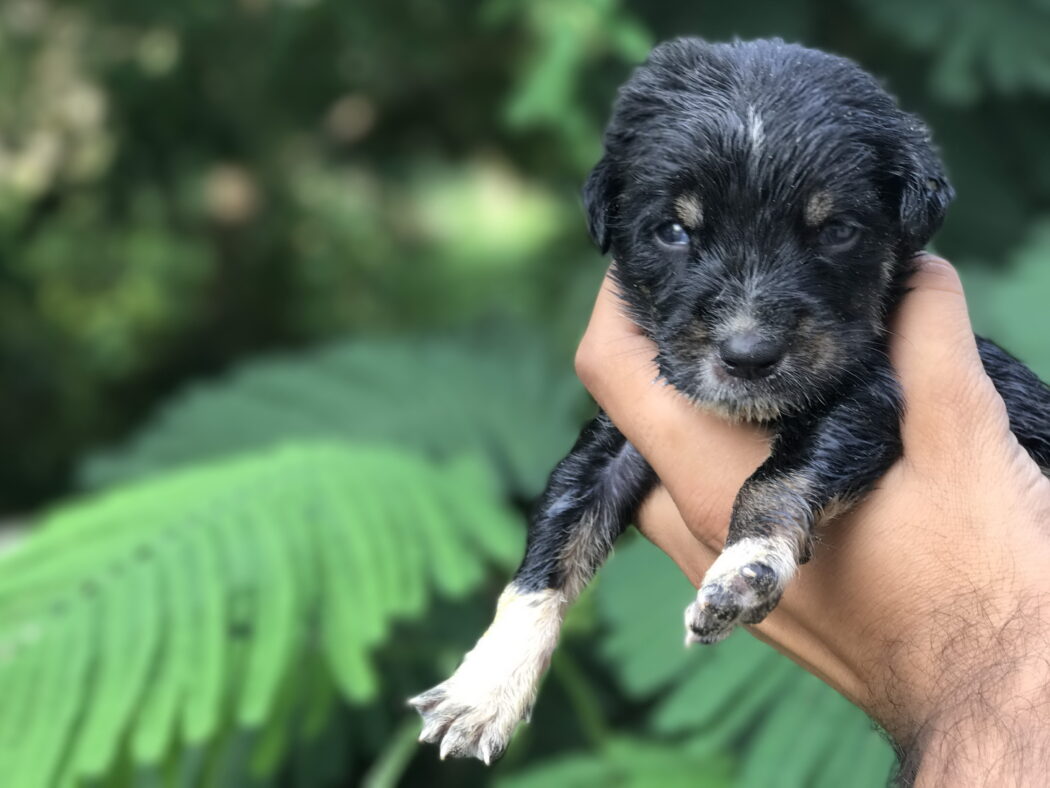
{"points": [[818, 208], [689, 211]]}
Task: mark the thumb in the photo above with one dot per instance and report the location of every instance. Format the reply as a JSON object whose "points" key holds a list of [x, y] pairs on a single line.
{"points": [[933, 347], [950, 402]]}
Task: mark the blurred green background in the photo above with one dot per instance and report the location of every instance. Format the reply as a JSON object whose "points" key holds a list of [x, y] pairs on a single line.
{"points": [[288, 296]]}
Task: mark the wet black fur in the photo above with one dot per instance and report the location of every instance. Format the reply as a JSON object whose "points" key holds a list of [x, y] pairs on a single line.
{"points": [[685, 123]]}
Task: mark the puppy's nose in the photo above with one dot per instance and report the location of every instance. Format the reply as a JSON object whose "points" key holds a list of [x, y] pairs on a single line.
{"points": [[749, 355]]}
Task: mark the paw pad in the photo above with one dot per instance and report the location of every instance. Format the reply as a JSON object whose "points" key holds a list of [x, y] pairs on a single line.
{"points": [[760, 577], [745, 594]]}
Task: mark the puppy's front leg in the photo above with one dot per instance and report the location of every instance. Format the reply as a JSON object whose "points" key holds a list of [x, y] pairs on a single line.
{"points": [[817, 468], [589, 500]]}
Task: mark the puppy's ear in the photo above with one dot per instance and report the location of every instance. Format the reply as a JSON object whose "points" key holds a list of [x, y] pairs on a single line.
{"points": [[925, 190], [599, 202]]}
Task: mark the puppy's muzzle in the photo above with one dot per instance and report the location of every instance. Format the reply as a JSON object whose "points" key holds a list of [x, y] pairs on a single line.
{"points": [[749, 355]]}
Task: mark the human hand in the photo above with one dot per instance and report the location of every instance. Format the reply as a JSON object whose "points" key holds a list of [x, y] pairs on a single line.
{"points": [[925, 603]]}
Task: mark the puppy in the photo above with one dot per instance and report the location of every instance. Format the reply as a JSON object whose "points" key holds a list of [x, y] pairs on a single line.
{"points": [[763, 203]]}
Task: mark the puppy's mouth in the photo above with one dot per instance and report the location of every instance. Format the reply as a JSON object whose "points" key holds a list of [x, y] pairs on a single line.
{"points": [[755, 373], [748, 381], [738, 392]]}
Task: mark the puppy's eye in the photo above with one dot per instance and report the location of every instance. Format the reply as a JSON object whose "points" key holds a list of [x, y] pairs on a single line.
{"points": [[839, 235], [672, 234]]}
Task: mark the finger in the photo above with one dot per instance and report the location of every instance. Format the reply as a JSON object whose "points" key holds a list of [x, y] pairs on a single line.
{"points": [[949, 399], [662, 524], [612, 342], [701, 458], [932, 336]]}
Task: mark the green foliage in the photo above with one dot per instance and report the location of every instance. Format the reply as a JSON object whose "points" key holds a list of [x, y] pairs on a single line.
{"points": [[627, 763], [185, 185], [502, 396], [227, 606], [163, 213], [977, 48], [995, 302], [567, 34], [115, 295], [787, 727]]}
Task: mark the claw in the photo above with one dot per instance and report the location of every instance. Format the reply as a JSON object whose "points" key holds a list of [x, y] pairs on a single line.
{"points": [[485, 753], [475, 712], [448, 745], [424, 700], [433, 729]]}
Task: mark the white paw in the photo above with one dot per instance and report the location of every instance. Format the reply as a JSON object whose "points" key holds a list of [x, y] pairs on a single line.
{"points": [[475, 712], [468, 726], [742, 586]]}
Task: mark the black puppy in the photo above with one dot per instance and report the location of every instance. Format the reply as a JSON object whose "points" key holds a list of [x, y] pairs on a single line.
{"points": [[762, 202]]}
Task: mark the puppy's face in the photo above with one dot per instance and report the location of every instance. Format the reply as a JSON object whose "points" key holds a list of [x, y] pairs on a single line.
{"points": [[761, 201]]}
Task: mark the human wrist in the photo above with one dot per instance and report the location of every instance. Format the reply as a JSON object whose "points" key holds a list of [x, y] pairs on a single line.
{"points": [[971, 706], [990, 737]]}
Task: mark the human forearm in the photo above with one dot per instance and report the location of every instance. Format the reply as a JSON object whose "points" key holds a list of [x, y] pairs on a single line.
{"points": [[925, 603]]}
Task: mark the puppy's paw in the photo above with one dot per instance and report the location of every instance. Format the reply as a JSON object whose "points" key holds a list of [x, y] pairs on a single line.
{"points": [[475, 712], [742, 586], [468, 724], [720, 604]]}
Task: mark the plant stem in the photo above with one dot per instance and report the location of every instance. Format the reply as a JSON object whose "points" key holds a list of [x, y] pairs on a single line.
{"points": [[394, 757], [582, 697]]}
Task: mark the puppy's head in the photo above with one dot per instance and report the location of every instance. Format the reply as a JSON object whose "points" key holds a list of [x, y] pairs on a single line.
{"points": [[761, 201]]}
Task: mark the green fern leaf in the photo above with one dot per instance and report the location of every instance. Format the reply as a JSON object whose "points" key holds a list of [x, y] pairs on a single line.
{"points": [[200, 714], [501, 396], [128, 638], [161, 633], [276, 609], [156, 718], [39, 678], [627, 763], [791, 741], [63, 685]]}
